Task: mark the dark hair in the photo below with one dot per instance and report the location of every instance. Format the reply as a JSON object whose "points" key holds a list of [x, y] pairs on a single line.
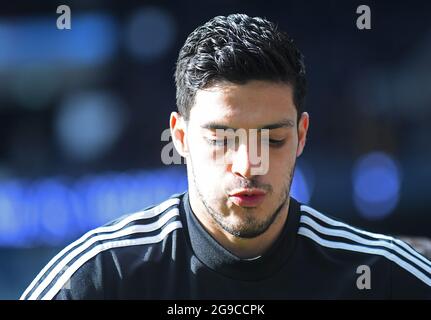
{"points": [[237, 49]]}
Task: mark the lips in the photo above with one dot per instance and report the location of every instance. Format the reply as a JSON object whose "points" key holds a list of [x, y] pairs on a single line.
{"points": [[248, 197]]}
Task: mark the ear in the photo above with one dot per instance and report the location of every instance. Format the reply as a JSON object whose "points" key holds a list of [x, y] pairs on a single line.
{"points": [[302, 132], [178, 133]]}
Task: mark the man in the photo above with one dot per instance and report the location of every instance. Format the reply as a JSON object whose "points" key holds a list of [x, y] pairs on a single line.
{"points": [[236, 232]]}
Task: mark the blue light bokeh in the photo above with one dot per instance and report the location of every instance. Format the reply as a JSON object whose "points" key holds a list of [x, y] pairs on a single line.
{"points": [[376, 185], [52, 211], [92, 40]]}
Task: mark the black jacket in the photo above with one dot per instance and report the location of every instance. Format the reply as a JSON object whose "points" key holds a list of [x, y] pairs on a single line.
{"points": [[163, 252]]}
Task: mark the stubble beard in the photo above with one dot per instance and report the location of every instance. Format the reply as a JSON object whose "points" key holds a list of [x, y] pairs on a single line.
{"points": [[250, 227]]}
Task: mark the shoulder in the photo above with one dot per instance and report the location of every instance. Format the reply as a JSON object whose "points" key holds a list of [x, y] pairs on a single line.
{"points": [[83, 258], [332, 234]]}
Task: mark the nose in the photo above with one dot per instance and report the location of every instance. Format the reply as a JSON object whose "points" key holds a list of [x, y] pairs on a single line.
{"points": [[241, 163]]}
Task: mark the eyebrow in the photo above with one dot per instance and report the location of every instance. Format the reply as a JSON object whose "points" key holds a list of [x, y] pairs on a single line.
{"points": [[286, 123]]}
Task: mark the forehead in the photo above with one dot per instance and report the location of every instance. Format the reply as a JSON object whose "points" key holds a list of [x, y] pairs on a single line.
{"points": [[249, 105]]}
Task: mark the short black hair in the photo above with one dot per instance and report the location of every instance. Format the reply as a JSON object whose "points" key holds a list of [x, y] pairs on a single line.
{"points": [[237, 48]]}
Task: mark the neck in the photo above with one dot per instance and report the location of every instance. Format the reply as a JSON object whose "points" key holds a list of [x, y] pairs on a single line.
{"points": [[244, 248]]}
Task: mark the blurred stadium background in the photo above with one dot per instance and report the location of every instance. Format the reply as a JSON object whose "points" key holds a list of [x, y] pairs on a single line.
{"points": [[82, 112]]}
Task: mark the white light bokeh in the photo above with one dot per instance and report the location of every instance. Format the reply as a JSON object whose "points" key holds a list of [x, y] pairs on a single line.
{"points": [[88, 124]]}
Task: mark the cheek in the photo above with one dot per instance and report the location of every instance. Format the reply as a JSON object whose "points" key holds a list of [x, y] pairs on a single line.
{"points": [[208, 171], [280, 164]]}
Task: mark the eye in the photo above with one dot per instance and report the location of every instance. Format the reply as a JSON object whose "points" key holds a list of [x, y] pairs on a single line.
{"points": [[224, 142], [217, 142], [277, 142]]}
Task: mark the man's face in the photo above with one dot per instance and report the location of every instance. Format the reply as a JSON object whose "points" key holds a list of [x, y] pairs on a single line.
{"points": [[219, 186]]}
